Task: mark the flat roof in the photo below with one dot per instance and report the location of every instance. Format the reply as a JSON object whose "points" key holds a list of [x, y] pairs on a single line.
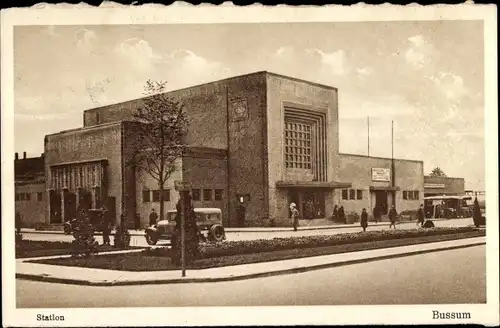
{"points": [[385, 158], [225, 80], [451, 178]]}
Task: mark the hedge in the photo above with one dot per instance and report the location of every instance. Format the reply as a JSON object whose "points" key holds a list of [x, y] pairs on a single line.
{"points": [[229, 248]]}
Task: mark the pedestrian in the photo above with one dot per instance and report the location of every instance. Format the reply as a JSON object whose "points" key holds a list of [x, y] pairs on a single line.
{"points": [[476, 213], [153, 216], [342, 217], [392, 216], [420, 216], [106, 226], [335, 213], [376, 214], [295, 216], [364, 219], [18, 222]]}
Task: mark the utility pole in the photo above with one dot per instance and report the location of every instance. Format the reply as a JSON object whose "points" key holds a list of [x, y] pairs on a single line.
{"points": [[393, 177], [368, 123]]}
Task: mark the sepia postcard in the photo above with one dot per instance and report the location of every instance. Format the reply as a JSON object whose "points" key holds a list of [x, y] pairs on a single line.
{"points": [[219, 165]]}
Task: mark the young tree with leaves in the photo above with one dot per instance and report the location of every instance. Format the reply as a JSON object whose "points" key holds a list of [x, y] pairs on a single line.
{"points": [[437, 172], [159, 139]]}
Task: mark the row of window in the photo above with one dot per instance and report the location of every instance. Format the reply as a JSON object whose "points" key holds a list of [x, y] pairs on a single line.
{"points": [[24, 196], [196, 194], [352, 194], [411, 195]]}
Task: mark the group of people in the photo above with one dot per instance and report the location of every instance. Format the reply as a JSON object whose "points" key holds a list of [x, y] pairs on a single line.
{"points": [[339, 214]]}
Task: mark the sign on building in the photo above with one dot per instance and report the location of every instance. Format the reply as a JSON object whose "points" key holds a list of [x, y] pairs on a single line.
{"points": [[381, 174], [182, 185], [434, 185]]}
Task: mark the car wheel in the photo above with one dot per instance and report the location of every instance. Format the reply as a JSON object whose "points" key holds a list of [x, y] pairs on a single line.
{"points": [[151, 239], [216, 233]]}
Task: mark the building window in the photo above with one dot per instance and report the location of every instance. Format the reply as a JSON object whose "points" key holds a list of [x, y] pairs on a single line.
{"points": [[298, 149], [97, 118], [218, 194], [39, 196], [405, 194], [156, 195], [28, 196], [352, 194], [17, 197], [411, 195], [344, 194], [359, 194], [416, 195], [207, 194], [146, 196], [166, 195], [196, 194]]}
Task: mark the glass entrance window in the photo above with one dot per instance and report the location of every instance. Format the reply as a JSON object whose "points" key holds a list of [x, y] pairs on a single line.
{"points": [[298, 148]]}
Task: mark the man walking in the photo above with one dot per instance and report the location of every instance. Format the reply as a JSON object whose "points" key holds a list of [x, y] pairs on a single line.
{"points": [[335, 213], [392, 216], [342, 217], [376, 214], [420, 216], [295, 216], [153, 217], [106, 223], [364, 219]]}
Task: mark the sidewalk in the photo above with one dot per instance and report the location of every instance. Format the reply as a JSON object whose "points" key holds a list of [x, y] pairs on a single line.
{"points": [[252, 229], [100, 277]]}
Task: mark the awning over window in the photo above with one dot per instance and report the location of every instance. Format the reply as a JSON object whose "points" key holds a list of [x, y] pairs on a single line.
{"points": [[312, 184], [379, 188]]}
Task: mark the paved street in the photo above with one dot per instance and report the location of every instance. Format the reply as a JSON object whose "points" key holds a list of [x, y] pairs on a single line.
{"points": [[453, 276], [141, 241]]}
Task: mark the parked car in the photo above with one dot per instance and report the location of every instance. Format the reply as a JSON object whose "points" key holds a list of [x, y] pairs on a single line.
{"points": [[208, 220]]}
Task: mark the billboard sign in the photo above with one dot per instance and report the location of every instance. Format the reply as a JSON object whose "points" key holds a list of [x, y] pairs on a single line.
{"points": [[381, 174], [434, 185]]}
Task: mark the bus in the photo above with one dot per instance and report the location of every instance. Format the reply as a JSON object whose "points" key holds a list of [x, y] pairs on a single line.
{"points": [[448, 207]]}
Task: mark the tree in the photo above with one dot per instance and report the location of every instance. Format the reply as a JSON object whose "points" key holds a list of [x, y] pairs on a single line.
{"points": [[437, 172], [159, 139]]}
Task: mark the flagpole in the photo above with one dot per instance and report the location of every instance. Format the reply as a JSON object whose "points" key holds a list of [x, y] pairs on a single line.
{"points": [[392, 164], [368, 123]]}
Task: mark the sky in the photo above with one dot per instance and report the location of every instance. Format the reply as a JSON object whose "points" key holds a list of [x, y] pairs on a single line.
{"points": [[426, 76]]}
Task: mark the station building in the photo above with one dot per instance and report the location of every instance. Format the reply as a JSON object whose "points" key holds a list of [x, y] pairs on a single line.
{"points": [[260, 141], [443, 186], [30, 191]]}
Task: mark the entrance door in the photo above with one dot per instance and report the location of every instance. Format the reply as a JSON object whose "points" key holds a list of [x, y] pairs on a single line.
{"points": [[381, 201], [314, 204]]}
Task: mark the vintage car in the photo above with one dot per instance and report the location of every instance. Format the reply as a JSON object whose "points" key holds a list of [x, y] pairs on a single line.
{"points": [[208, 220]]}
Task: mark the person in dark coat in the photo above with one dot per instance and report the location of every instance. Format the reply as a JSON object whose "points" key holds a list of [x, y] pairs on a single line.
{"points": [[420, 216], [364, 219], [376, 214], [392, 216], [153, 216], [106, 226], [335, 213], [18, 222], [342, 217], [476, 213]]}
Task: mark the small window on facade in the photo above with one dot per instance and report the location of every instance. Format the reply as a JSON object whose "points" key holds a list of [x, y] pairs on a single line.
{"points": [[405, 194], [218, 194], [359, 194], [416, 195], [352, 194], [39, 196], [166, 195], [207, 194], [195, 194], [156, 195], [17, 197], [28, 196], [344, 194], [146, 196], [97, 118]]}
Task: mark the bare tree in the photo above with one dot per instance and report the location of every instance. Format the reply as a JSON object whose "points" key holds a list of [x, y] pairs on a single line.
{"points": [[437, 172], [159, 139]]}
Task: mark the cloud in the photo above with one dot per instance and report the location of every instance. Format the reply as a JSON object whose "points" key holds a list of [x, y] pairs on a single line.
{"points": [[418, 51], [388, 106], [364, 72], [451, 85], [336, 62], [85, 39]]}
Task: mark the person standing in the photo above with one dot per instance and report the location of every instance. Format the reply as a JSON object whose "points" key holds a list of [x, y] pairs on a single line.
{"points": [[420, 216], [342, 217], [295, 216], [364, 219], [335, 213], [18, 223], [153, 217], [392, 216], [476, 213], [376, 214], [106, 226]]}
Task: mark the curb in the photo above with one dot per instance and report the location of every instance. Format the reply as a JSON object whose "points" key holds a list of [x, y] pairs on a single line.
{"points": [[45, 278]]}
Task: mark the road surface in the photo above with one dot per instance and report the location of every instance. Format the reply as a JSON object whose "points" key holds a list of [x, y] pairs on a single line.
{"points": [[449, 277], [141, 241]]}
